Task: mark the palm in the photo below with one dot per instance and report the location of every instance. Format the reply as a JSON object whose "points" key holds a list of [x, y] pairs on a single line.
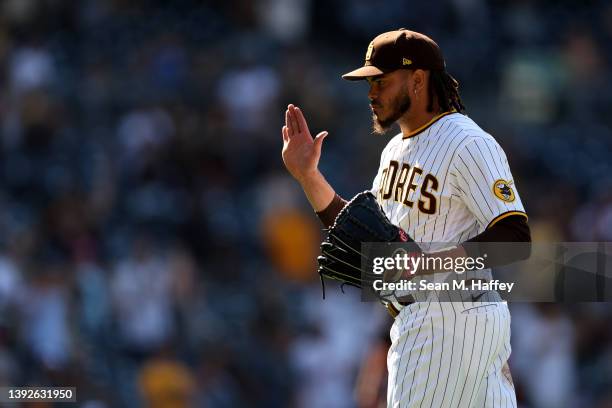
{"points": [[301, 152]]}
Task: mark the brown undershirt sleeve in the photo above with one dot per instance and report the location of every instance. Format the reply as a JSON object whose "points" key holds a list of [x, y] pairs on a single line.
{"points": [[329, 214], [510, 229]]}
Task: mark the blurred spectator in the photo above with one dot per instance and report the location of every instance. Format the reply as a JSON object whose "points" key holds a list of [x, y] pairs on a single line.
{"points": [[292, 254], [141, 290], [142, 134], [45, 313], [543, 340], [530, 87], [286, 20], [31, 68], [166, 383], [11, 282], [248, 93], [327, 357]]}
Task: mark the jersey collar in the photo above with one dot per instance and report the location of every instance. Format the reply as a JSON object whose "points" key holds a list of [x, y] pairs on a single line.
{"points": [[428, 124]]}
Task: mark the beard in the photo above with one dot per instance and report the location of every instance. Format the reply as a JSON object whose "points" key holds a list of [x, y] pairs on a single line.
{"points": [[399, 105]]}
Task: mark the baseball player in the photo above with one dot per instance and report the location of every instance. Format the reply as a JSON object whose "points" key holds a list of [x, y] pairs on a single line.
{"points": [[441, 179]]}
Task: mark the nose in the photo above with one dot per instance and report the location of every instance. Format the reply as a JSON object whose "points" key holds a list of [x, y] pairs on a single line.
{"points": [[372, 93]]}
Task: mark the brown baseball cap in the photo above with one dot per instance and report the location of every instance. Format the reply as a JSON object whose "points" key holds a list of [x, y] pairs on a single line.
{"points": [[399, 49]]}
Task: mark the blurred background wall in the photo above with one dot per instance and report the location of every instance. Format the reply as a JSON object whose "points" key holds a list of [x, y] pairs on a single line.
{"points": [[154, 252]]}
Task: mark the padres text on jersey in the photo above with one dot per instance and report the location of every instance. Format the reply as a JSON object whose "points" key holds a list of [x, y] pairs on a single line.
{"points": [[447, 182]]}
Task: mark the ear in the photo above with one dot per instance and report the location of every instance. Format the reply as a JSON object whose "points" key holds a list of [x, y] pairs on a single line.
{"points": [[419, 80]]}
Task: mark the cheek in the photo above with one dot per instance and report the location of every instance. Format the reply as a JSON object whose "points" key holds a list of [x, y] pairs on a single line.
{"points": [[383, 98], [387, 99]]}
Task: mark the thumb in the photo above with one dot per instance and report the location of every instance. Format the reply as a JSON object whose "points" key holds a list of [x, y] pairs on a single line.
{"points": [[318, 140]]}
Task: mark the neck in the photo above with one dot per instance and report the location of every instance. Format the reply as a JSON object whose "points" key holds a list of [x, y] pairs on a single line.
{"points": [[412, 121]]}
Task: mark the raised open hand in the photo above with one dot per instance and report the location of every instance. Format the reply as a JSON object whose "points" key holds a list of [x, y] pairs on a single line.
{"points": [[301, 152]]}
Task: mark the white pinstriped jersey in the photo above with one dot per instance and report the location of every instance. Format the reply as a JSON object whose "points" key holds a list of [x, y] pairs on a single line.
{"points": [[447, 182], [444, 184]]}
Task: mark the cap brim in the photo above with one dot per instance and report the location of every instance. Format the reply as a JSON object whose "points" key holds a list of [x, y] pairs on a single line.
{"points": [[362, 73]]}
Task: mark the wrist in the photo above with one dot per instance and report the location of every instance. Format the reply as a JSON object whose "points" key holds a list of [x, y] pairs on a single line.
{"points": [[309, 178]]}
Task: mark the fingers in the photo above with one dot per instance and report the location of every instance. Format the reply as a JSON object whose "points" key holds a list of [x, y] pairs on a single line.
{"points": [[288, 124], [301, 120], [318, 140], [294, 125]]}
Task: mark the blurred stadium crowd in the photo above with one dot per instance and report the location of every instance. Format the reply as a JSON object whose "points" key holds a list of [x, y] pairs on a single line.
{"points": [[153, 249]]}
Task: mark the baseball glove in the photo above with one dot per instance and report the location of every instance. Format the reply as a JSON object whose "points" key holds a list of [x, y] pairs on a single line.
{"points": [[361, 220]]}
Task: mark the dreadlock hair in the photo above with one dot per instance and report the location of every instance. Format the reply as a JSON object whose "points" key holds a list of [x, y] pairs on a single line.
{"points": [[444, 89]]}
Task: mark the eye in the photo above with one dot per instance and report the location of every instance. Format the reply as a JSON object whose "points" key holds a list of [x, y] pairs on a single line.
{"points": [[376, 81]]}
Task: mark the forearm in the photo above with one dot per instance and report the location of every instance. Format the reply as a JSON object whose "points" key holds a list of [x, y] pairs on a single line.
{"points": [[318, 191]]}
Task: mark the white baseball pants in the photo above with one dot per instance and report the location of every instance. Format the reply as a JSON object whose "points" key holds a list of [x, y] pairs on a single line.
{"points": [[451, 354]]}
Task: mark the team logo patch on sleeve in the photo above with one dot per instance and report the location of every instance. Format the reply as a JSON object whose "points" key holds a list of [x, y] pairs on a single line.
{"points": [[503, 190]]}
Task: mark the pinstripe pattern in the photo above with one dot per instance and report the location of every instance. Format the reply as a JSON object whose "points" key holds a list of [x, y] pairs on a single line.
{"points": [[448, 354], [466, 161]]}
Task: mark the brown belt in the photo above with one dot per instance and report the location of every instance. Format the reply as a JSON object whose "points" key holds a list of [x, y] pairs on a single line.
{"points": [[393, 310]]}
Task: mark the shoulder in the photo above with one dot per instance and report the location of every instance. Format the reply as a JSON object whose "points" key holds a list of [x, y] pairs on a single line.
{"points": [[466, 132], [393, 143]]}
